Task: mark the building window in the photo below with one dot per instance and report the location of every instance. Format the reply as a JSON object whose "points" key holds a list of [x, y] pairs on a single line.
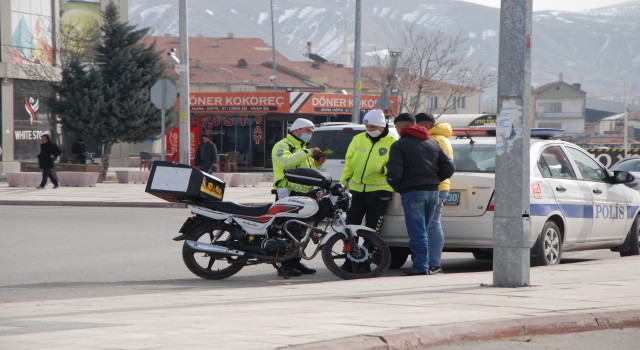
{"points": [[550, 125], [433, 102], [552, 107], [459, 102]]}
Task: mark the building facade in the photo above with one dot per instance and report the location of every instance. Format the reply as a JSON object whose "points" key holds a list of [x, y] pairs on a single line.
{"points": [[28, 45], [562, 106]]}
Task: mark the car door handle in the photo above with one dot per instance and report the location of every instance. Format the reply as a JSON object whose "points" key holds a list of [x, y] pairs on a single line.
{"points": [[597, 191], [560, 189]]}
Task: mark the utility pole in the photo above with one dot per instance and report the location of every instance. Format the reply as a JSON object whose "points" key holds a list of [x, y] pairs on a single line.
{"points": [[185, 119], [511, 222], [274, 77], [355, 118]]}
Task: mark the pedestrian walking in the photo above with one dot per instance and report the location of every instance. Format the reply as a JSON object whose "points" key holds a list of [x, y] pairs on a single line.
{"points": [[417, 165], [441, 133], [206, 155], [49, 152], [364, 174], [288, 153]]}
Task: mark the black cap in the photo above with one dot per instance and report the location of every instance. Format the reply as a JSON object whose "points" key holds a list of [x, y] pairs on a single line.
{"points": [[405, 117], [425, 117]]}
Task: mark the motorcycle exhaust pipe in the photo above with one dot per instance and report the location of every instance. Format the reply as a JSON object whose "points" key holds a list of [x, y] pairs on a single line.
{"points": [[212, 248]]}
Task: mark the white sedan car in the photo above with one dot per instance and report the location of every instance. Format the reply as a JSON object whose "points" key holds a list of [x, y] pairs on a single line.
{"points": [[576, 204]]}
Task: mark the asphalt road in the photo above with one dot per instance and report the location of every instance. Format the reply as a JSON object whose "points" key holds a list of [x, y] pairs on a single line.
{"points": [[49, 253]]}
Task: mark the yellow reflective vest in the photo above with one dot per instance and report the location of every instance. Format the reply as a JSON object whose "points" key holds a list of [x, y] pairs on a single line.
{"points": [[363, 162], [290, 153]]}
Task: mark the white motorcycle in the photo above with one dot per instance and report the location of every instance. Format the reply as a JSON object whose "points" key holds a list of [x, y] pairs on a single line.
{"points": [[221, 238]]}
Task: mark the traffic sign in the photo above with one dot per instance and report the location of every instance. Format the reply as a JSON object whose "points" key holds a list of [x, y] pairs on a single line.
{"points": [[163, 94]]}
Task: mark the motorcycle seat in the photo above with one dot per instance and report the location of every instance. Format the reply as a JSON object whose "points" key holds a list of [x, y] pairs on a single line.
{"points": [[239, 209]]}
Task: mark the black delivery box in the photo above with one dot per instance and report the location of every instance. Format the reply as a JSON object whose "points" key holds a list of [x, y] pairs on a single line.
{"points": [[182, 183]]}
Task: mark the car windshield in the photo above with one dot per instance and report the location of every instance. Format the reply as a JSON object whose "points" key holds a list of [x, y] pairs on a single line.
{"points": [[335, 140], [475, 158], [628, 165]]}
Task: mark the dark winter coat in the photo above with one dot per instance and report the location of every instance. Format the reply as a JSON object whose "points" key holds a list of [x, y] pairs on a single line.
{"points": [[47, 150], [206, 155], [416, 162]]}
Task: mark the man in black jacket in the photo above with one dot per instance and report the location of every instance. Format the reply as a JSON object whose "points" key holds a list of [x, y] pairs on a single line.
{"points": [[415, 169], [49, 151], [206, 155]]}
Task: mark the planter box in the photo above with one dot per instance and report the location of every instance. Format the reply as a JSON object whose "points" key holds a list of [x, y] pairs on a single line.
{"points": [[127, 176], [77, 179], [24, 179], [85, 168]]}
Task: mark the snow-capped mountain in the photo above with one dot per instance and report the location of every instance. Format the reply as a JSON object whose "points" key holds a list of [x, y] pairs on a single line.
{"points": [[599, 48]]}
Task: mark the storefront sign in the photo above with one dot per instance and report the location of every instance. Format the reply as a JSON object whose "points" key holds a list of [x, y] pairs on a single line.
{"points": [[316, 103], [258, 102]]}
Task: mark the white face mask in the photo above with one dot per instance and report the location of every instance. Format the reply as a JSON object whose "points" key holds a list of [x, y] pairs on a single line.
{"points": [[374, 133]]}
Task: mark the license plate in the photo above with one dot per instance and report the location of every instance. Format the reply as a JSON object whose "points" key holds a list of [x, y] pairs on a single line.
{"points": [[453, 199]]}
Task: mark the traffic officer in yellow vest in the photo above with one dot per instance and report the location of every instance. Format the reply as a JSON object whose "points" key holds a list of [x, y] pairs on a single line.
{"points": [[365, 176], [289, 153]]}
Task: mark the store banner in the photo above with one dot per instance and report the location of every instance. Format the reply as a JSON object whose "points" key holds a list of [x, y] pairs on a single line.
{"points": [[317, 103], [247, 102]]}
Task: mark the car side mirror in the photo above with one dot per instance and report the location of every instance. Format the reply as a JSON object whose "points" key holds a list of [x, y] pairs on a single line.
{"points": [[623, 177]]}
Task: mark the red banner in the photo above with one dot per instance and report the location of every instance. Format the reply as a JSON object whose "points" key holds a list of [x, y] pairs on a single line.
{"points": [[247, 102], [316, 103]]}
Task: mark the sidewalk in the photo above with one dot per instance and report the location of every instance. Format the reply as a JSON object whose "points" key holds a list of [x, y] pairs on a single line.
{"points": [[114, 194], [415, 312]]}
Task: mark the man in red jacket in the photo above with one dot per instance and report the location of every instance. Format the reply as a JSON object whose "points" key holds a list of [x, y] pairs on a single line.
{"points": [[416, 167]]}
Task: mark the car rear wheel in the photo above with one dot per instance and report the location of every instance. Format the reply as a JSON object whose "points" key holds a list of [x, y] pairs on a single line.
{"points": [[550, 245], [631, 245]]}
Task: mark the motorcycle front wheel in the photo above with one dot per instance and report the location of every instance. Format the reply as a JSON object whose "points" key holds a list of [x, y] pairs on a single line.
{"points": [[370, 258], [210, 266]]}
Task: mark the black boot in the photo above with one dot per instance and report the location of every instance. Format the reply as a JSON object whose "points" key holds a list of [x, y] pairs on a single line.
{"points": [[288, 270], [303, 269]]}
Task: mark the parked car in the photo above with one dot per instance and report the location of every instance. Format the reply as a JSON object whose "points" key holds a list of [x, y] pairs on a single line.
{"points": [[576, 203], [631, 165], [336, 137]]}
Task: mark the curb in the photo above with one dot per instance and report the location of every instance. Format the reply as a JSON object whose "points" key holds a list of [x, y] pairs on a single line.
{"points": [[36, 203], [449, 334], [92, 204]]}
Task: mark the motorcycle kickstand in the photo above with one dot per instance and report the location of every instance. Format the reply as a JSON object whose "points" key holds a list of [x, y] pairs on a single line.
{"points": [[280, 272]]}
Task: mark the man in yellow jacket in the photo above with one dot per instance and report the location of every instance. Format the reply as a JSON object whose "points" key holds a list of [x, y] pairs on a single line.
{"points": [[289, 153], [441, 133], [364, 174]]}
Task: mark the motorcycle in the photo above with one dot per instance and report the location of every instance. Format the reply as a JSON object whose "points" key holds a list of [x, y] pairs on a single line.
{"points": [[221, 238]]}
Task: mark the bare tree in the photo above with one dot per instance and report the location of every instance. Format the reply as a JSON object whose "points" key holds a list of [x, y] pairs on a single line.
{"points": [[432, 64]]}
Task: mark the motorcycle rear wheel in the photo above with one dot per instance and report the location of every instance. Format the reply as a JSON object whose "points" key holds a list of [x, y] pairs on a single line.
{"points": [[335, 254], [210, 266]]}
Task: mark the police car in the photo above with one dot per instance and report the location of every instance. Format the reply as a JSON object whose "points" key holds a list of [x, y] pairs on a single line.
{"points": [[575, 204]]}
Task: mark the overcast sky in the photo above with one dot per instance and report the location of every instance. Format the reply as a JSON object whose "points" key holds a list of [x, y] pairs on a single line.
{"points": [[562, 5]]}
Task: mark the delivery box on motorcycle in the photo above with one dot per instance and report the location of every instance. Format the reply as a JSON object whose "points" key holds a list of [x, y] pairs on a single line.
{"points": [[183, 183]]}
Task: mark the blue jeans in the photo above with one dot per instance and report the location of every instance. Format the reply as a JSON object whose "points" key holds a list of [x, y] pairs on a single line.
{"points": [[419, 209], [436, 235]]}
